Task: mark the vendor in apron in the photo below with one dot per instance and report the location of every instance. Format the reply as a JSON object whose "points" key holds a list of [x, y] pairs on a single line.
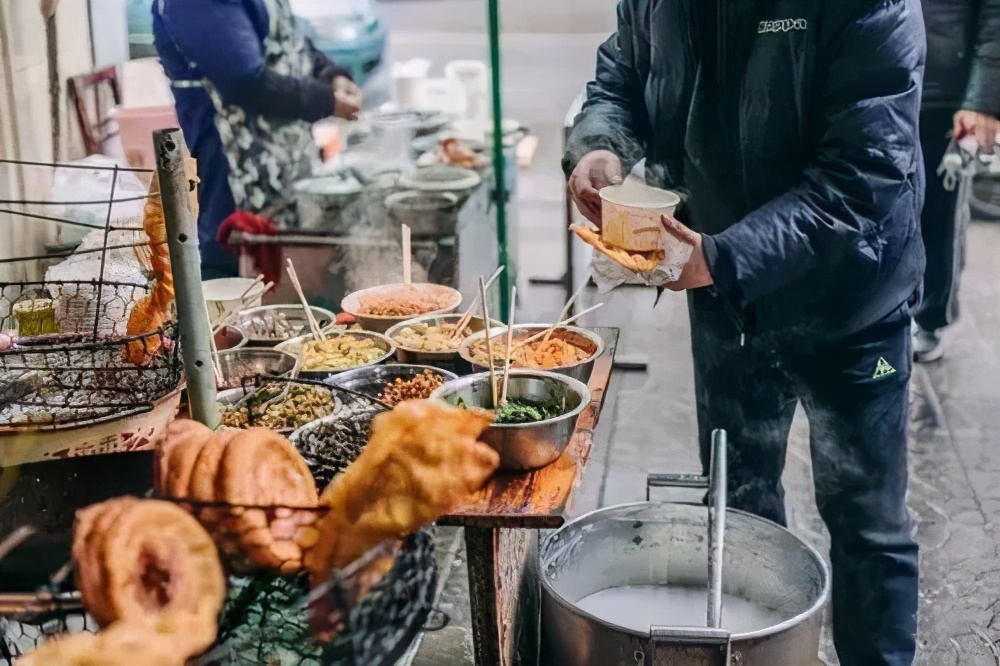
{"points": [[247, 86]]}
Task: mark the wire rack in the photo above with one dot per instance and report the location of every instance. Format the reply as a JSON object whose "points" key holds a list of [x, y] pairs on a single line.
{"points": [[66, 357], [270, 618]]}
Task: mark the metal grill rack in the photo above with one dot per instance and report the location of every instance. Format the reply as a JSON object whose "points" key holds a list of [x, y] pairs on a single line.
{"points": [[68, 361]]}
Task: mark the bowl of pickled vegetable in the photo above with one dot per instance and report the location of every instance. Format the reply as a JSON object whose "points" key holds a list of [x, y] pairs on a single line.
{"points": [[536, 423], [338, 352], [568, 350]]}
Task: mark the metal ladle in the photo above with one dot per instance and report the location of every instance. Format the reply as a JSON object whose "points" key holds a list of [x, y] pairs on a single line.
{"points": [[709, 645]]}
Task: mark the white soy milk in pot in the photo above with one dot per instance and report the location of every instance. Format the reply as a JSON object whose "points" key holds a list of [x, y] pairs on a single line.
{"points": [[638, 607]]}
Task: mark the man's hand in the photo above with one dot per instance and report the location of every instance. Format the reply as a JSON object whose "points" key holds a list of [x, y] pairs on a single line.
{"points": [[346, 98], [596, 170], [695, 274], [981, 125]]}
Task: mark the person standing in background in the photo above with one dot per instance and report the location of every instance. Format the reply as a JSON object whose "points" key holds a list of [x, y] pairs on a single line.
{"points": [[961, 94], [247, 87]]}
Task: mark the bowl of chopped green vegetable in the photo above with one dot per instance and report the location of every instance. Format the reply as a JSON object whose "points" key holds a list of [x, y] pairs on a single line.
{"points": [[535, 425]]}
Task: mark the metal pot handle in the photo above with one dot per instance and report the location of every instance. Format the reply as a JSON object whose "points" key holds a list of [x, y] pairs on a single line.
{"points": [[691, 646]]}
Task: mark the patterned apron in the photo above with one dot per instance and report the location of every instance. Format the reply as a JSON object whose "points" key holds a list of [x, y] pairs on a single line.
{"points": [[267, 155]]}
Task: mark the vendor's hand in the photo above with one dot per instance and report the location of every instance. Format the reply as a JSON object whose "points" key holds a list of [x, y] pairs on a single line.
{"points": [[346, 98], [596, 170], [695, 274], [983, 126]]}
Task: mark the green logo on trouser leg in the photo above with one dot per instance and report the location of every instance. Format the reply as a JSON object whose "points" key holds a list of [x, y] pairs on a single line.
{"points": [[883, 369]]}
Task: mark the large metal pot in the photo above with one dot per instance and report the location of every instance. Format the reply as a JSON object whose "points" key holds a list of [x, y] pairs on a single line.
{"points": [[430, 215], [321, 202], [663, 546]]}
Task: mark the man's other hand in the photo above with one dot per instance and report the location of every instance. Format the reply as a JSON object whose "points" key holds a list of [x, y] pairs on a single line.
{"points": [[695, 274], [597, 169], [980, 125]]}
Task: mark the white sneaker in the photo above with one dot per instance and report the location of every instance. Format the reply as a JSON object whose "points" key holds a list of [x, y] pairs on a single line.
{"points": [[927, 345]]}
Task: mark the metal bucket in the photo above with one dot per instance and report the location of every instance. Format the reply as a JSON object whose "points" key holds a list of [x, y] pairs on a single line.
{"points": [[773, 586]]}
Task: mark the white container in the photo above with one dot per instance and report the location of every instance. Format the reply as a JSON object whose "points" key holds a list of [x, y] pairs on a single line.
{"points": [[631, 212], [409, 79], [226, 295], [474, 77]]}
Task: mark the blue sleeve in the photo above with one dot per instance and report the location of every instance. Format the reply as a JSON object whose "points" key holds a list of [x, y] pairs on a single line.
{"points": [[864, 164], [220, 38], [614, 116]]}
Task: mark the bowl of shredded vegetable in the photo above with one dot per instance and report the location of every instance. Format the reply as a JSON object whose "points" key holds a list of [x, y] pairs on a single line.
{"points": [[535, 424], [380, 308]]}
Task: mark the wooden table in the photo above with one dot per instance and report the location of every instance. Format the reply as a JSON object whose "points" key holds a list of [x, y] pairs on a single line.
{"points": [[501, 536]]}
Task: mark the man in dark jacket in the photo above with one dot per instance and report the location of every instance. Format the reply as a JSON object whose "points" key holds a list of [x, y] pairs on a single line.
{"points": [[962, 94], [790, 127]]}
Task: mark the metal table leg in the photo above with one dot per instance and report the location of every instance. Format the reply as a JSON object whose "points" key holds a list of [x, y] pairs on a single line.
{"points": [[505, 595]]}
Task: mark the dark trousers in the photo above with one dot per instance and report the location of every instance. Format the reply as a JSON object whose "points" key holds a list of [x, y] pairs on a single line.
{"points": [[854, 393], [943, 224]]}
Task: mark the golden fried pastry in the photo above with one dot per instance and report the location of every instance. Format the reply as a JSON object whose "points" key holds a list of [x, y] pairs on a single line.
{"points": [[422, 460], [159, 561], [177, 433], [90, 527], [262, 468], [146, 317], [149, 561], [201, 487], [181, 460], [637, 262]]}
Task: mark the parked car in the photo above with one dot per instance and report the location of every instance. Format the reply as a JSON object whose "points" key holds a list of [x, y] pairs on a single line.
{"points": [[348, 32]]}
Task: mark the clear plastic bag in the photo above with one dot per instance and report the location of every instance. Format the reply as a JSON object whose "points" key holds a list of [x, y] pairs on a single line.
{"points": [[82, 195]]}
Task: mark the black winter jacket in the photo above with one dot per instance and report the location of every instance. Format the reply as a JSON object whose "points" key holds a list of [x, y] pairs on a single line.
{"points": [[963, 54], [795, 142]]}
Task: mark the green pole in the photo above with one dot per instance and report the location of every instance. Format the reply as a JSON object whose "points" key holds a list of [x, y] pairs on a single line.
{"points": [[499, 162]]}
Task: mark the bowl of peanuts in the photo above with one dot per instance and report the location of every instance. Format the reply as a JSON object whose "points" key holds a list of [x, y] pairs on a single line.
{"points": [[380, 308], [393, 383]]}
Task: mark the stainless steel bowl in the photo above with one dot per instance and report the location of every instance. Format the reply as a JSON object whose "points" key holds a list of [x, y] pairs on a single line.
{"points": [[230, 337], [575, 335], [371, 380], [294, 346], [246, 362], [526, 446], [230, 397], [406, 354], [295, 315]]}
